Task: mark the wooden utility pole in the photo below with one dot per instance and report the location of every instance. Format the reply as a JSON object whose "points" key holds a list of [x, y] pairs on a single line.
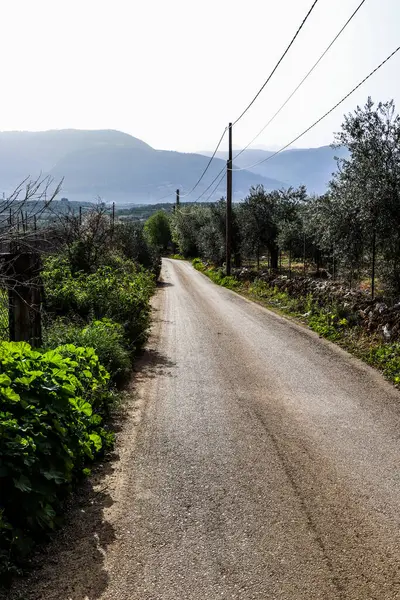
{"points": [[80, 215], [113, 214], [229, 204], [177, 199]]}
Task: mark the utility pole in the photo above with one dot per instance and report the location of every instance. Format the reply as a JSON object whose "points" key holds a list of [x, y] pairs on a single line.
{"points": [[229, 204], [113, 214], [177, 199]]}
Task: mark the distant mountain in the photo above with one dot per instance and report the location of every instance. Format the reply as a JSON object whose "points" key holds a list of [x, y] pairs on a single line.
{"points": [[113, 165], [312, 167]]}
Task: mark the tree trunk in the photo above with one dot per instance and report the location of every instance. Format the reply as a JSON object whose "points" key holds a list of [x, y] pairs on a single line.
{"points": [[237, 260], [318, 257], [274, 254], [258, 258]]}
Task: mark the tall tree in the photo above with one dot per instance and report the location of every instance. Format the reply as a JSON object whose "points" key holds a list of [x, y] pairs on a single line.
{"points": [[263, 217], [158, 230], [365, 192]]}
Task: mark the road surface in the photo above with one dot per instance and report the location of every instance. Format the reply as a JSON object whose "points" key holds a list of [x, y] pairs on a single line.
{"points": [[257, 462]]}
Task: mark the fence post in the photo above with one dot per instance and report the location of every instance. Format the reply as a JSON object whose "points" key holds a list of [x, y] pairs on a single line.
{"points": [[24, 298]]}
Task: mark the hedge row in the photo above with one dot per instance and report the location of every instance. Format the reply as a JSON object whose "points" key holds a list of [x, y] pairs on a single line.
{"points": [[51, 428], [54, 402]]}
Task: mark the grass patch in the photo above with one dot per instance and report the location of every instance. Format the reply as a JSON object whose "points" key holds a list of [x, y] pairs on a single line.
{"points": [[216, 275], [177, 257]]}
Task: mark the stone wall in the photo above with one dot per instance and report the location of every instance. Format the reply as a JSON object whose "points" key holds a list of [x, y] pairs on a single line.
{"points": [[375, 316]]}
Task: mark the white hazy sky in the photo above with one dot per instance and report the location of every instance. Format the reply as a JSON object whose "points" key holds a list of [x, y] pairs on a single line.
{"points": [[174, 72]]}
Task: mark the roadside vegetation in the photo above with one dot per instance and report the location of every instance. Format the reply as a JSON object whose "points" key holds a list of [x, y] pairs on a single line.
{"points": [[56, 400], [333, 261], [335, 321]]}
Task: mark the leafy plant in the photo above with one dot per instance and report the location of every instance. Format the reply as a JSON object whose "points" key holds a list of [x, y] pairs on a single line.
{"points": [[106, 337], [121, 293], [50, 428], [387, 358]]}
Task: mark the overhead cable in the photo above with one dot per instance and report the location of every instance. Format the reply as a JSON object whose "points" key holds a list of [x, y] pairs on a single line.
{"points": [[323, 116], [277, 64], [303, 80]]}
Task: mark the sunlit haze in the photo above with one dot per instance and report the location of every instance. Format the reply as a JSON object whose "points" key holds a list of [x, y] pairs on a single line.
{"points": [[175, 73]]}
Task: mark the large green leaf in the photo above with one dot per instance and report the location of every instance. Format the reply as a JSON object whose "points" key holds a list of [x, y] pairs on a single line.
{"points": [[23, 483]]}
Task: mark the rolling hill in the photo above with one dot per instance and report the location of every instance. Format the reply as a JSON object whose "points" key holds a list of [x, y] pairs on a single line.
{"points": [[113, 165]]}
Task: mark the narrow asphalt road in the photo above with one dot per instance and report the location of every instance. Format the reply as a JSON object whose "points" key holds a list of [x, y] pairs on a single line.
{"points": [[258, 462]]}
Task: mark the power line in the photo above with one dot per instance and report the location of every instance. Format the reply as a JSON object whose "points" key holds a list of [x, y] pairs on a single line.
{"points": [[166, 196], [276, 114], [303, 80], [203, 173], [212, 183], [243, 113], [208, 198], [208, 164], [323, 116], [216, 187], [278, 63]]}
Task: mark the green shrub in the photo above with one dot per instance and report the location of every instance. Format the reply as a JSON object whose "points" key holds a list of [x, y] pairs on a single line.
{"points": [[105, 337], [216, 275], [198, 264], [132, 243], [121, 293], [177, 257], [386, 357], [50, 428], [158, 230]]}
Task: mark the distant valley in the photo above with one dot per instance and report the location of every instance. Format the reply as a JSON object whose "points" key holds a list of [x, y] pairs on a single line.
{"points": [[118, 167]]}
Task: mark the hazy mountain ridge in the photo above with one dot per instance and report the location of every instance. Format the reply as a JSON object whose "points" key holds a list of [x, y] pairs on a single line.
{"points": [[112, 165], [312, 167]]}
